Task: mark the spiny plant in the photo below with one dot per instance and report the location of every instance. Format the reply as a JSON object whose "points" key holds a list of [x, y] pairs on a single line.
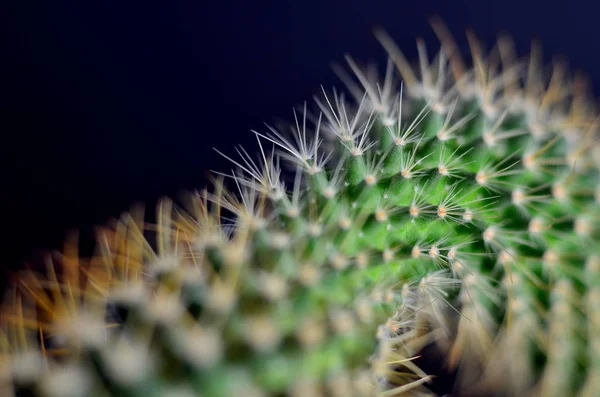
{"points": [[442, 206]]}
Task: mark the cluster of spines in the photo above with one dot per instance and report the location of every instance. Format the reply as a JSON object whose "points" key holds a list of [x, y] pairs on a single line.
{"points": [[463, 215]]}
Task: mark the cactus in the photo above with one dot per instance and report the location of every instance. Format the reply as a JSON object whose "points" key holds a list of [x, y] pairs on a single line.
{"points": [[440, 207]]}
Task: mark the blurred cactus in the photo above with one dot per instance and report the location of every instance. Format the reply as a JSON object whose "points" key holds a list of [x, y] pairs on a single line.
{"points": [[456, 209]]}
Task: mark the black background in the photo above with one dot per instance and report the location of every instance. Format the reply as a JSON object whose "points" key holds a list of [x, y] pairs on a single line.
{"points": [[105, 103]]}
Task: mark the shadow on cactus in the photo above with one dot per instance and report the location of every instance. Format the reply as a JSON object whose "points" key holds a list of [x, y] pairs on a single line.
{"points": [[439, 221]]}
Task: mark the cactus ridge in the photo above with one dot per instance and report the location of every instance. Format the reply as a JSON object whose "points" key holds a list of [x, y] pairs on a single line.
{"points": [[436, 205]]}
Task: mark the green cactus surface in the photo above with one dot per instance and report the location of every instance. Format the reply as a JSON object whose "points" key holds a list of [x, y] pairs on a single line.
{"points": [[439, 207]]}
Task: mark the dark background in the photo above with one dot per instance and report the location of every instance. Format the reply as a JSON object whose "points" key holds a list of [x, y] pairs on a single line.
{"points": [[105, 103]]}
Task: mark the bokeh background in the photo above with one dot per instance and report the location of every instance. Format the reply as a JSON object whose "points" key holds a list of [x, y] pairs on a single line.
{"points": [[105, 103]]}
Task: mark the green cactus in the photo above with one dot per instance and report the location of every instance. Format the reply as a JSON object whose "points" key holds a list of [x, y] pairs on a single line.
{"points": [[441, 207]]}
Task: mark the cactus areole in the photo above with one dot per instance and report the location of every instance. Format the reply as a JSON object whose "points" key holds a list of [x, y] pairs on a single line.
{"points": [[450, 206]]}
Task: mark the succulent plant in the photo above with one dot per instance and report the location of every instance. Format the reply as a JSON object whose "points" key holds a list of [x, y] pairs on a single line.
{"points": [[440, 207]]}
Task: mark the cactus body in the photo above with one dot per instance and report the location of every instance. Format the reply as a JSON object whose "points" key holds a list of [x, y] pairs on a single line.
{"points": [[457, 209]]}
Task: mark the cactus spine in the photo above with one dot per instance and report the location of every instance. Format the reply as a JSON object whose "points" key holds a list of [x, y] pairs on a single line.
{"points": [[438, 206]]}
